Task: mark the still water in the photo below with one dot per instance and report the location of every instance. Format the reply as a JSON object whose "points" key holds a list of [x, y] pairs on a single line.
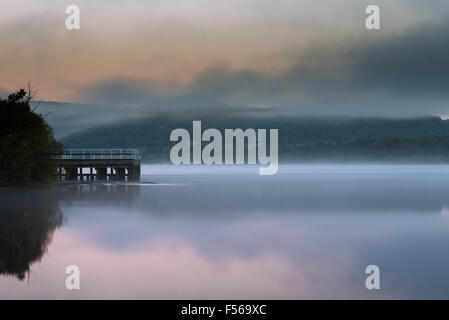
{"points": [[226, 232]]}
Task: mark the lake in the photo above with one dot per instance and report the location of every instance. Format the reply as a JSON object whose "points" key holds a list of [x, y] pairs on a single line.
{"points": [[226, 232]]}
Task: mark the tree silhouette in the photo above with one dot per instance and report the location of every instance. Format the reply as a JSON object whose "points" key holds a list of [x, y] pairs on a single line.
{"points": [[27, 145]]}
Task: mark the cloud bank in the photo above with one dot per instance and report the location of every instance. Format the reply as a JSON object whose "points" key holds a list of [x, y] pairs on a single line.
{"points": [[310, 57]]}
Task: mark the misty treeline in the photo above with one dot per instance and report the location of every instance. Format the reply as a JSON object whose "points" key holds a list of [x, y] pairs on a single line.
{"points": [[300, 139], [27, 145]]}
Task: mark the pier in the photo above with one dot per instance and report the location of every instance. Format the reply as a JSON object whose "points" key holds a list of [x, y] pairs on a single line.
{"points": [[99, 165]]}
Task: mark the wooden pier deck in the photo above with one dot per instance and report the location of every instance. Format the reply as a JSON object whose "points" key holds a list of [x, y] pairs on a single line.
{"points": [[99, 165]]}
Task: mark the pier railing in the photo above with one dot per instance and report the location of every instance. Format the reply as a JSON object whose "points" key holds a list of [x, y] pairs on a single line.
{"points": [[100, 154]]}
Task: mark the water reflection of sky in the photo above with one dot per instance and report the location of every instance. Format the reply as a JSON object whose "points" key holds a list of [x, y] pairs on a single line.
{"points": [[308, 232]]}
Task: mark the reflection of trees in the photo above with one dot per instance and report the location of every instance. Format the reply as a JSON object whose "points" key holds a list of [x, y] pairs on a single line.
{"points": [[28, 218]]}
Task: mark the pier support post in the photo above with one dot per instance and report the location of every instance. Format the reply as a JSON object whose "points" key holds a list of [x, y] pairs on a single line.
{"points": [[130, 173], [134, 173], [120, 174], [102, 173], [137, 173], [71, 173]]}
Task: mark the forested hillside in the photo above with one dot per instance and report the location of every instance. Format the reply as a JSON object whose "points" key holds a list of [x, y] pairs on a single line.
{"points": [[299, 138]]}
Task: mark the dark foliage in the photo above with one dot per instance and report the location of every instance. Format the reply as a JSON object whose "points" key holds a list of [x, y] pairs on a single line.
{"points": [[27, 145]]}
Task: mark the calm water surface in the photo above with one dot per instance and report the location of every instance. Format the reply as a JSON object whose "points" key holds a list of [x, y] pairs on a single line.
{"points": [[226, 232]]}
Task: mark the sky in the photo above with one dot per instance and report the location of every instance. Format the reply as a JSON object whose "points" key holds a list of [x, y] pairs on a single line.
{"points": [[317, 55]]}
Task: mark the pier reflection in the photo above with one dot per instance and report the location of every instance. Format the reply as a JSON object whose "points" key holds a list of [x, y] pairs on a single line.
{"points": [[99, 194], [29, 217]]}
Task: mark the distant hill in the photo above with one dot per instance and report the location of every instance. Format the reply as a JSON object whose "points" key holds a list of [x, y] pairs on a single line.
{"points": [[147, 127], [67, 118], [299, 138]]}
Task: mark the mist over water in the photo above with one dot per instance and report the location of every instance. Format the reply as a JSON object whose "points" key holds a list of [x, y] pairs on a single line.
{"points": [[226, 232]]}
